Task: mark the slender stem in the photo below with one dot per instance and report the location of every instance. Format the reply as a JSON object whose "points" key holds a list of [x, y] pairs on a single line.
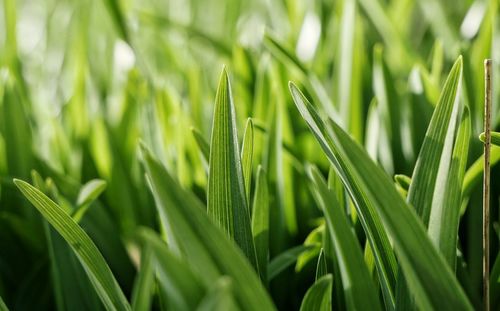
{"points": [[486, 184]]}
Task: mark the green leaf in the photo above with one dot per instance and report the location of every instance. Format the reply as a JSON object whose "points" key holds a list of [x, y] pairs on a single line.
{"points": [[474, 174], [227, 205], [219, 297], [403, 181], [285, 260], [204, 246], [3, 307], [443, 226], [354, 273], [88, 193], [181, 285], [142, 293], [366, 209], [495, 138], [260, 222], [319, 296], [429, 277], [95, 265], [202, 144], [426, 189], [321, 267], [246, 157]]}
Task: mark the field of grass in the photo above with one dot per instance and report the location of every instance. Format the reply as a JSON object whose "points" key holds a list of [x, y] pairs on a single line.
{"points": [[246, 155]]}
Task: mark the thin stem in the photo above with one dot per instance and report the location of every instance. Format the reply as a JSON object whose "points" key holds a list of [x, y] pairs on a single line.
{"points": [[486, 184]]}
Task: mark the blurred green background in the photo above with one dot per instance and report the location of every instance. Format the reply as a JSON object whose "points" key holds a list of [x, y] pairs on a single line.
{"points": [[82, 81]]}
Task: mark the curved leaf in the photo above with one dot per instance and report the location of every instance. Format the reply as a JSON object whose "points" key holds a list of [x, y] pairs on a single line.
{"points": [[353, 270], [429, 277], [97, 269]]}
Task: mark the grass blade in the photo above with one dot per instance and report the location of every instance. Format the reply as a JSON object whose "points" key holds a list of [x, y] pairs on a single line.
{"points": [[227, 205], [205, 247], [98, 271], [370, 220], [285, 260], [429, 278], [443, 227], [425, 188], [260, 222], [353, 270], [321, 267], [220, 297], [181, 285], [319, 296], [88, 193], [246, 158], [142, 293]]}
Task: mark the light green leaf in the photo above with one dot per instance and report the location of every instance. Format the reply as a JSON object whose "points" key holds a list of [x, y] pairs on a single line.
{"points": [[260, 222], [202, 144], [285, 260], [443, 226], [246, 157], [321, 267], [319, 296], [429, 277], [205, 247], [425, 190], [227, 205], [88, 193], [495, 138], [353, 270], [86, 251]]}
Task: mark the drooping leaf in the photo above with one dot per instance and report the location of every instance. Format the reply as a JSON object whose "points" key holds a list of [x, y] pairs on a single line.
{"points": [[495, 138], [260, 222], [353, 270], [366, 209], [202, 144], [86, 251], [227, 205], [88, 193], [427, 274], [319, 296]]}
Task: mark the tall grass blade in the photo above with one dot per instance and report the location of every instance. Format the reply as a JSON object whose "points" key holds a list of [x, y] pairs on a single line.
{"points": [[205, 247], [366, 209], [260, 222], [227, 204], [353, 269], [429, 278], [246, 158], [86, 251]]}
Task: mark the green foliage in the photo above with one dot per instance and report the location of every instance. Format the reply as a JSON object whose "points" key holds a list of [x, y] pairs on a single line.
{"points": [[228, 207]]}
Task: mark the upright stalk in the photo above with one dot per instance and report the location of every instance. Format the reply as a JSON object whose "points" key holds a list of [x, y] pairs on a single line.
{"points": [[486, 184]]}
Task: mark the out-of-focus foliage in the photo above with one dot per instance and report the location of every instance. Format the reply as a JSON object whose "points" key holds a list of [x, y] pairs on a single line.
{"points": [[243, 184]]}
